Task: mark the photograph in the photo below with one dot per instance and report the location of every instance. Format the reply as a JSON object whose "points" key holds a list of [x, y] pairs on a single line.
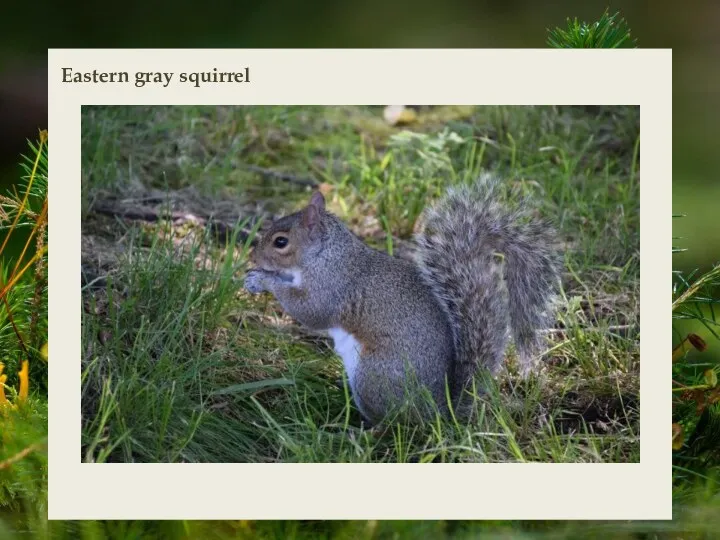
{"points": [[360, 284]]}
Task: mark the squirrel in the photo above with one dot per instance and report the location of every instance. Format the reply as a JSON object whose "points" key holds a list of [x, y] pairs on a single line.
{"points": [[434, 319]]}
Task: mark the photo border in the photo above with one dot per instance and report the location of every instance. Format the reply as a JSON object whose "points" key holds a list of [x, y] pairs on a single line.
{"points": [[364, 491]]}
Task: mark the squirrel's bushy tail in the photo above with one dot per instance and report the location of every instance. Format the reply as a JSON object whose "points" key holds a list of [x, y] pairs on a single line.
{"points": [[457, 254]]}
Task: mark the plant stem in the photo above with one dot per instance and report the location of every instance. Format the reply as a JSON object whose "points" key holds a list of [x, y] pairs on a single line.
{"points": [[17, 457], [696, 387]]}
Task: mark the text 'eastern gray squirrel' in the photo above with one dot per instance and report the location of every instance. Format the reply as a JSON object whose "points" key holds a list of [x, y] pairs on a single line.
{"points": [[435, 320]]}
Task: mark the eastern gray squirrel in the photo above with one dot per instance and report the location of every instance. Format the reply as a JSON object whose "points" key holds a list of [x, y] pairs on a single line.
{"points": [[436, 319]]}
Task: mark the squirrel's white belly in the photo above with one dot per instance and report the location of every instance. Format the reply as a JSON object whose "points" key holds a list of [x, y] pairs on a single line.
{"points": [[349, 350]]}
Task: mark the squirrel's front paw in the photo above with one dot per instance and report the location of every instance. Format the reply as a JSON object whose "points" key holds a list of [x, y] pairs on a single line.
{"points": [[254, 281]]}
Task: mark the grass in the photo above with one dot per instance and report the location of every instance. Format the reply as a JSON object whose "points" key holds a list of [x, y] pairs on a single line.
{"points": [[181, 365], [608, 32]]}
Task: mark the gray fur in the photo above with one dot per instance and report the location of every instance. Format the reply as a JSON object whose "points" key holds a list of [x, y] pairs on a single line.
{"points": [[456, 254], [434, 321]]}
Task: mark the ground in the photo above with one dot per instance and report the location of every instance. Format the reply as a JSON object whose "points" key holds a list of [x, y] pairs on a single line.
{"points": [[180, 364]]}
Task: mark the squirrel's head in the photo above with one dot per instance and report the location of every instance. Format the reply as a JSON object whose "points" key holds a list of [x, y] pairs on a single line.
{"points": [[287, 239]]}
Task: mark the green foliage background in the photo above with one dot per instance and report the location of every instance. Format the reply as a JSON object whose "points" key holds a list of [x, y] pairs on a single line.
{"points": [[518, 23]]}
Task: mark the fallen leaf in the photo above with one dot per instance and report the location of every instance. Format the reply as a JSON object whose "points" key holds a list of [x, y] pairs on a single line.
{"points": [[399, 114]]}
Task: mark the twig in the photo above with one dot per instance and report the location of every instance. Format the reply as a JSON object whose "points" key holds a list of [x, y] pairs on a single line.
{"points": [[287, 177], [220, 229], [139, 213]]}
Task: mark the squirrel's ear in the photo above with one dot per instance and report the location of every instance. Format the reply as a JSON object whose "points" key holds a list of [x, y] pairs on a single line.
{"points": [[311, 215], [317, 200]]}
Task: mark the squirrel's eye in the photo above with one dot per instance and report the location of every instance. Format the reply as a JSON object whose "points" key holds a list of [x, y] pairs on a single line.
{"points": [[280, 242]]}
